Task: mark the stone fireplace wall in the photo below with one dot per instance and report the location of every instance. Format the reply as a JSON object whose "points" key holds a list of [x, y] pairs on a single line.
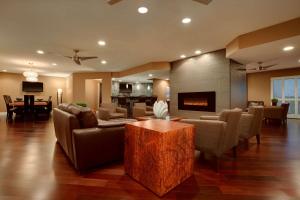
{"points": [[207, 72]]}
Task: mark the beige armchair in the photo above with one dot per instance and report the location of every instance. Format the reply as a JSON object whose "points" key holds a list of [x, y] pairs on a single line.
{"points": [[141, 109], [108, 111], [251, 123], [277, 113], [215, 137]]}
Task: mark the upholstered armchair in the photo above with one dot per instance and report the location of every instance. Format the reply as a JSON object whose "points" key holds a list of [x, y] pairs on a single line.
{"points": [[141, 109], [251, 123], [217, 136], [277, 112], [108, 111]]}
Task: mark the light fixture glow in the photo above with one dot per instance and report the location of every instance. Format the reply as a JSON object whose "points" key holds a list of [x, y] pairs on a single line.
{"points": [[101, 42], [198, 52], [183, 56], [54, 64], [299, 60], [4, 70], [148, 87], [103, 62], [120, 80], [142, 10], [288, 48], [59, 91], [40, 51], [186, 20], [150, 75]]}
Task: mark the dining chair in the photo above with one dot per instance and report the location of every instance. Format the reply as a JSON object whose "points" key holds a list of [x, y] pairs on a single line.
{"points": [[9, 109]]}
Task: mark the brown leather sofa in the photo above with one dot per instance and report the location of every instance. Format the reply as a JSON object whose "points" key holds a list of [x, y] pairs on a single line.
{"points": [[83, 141]]}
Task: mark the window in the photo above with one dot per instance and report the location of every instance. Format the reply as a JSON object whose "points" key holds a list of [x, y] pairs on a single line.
{"points": [[287, 89]]}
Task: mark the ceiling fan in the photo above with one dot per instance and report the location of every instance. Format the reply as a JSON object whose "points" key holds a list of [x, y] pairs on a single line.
{"points": [[77, 59], [206, 2], [259, 67]]}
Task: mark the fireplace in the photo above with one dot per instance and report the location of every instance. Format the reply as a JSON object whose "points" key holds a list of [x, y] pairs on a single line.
{"points": [[197, 101]]}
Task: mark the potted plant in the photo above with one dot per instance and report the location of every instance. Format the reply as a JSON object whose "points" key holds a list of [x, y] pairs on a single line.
{"points": [[274, 102]]}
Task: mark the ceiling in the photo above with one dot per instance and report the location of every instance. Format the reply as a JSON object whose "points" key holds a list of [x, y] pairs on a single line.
{"points": [[58, 26], [144, 76], [271, 53]]}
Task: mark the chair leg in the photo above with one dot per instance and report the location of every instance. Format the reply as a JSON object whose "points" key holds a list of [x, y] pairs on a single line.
{"points": [[234, 151], [258, 139]]}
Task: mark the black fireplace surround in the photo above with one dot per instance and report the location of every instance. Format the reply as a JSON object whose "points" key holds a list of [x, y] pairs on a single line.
{"points": [[197, 101]]}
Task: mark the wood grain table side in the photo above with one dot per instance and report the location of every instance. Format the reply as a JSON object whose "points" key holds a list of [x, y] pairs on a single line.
{"points": [[159, 154]]}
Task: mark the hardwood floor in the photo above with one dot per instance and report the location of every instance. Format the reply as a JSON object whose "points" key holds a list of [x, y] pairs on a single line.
{"points": [[33, 166]]}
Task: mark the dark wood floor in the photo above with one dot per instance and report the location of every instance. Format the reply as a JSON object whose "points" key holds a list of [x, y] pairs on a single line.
{"points": [[32, 166]]}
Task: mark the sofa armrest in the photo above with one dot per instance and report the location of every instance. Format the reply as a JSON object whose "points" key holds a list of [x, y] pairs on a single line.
{"points": [[211, 117], [95, 146], [244, 126], [210, 135], [122, 110]]}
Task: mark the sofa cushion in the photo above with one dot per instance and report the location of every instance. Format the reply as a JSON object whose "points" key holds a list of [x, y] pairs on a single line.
{"points": [[88, 119], [116, 115], [114, 123], [103, 113]]}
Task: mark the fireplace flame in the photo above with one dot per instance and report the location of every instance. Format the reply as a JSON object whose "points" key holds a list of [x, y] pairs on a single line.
{"points": [[195, 102]]}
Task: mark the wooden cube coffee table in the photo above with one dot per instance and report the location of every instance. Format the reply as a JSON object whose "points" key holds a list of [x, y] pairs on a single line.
{"points": [[159, 154]]}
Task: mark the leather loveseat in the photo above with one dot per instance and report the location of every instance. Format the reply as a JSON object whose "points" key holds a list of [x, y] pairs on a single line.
{"points": [[83, 141]]}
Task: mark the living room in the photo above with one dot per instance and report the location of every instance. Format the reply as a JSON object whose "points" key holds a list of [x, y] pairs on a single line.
{"points": [[116, 99]]}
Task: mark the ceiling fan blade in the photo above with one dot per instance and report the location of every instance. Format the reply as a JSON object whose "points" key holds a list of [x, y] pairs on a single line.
{"points": [[252, 69], [241, 69], [77, 62], [112, 2], [206, 2], [69, 57], [269, 66], [87, 57]]}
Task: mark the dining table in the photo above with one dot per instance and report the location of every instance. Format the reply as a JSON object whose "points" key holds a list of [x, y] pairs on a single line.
{"points": [[21, 103]]}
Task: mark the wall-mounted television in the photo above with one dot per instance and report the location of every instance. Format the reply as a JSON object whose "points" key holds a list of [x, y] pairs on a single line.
{"points": [[32, 86], [125, 88]]}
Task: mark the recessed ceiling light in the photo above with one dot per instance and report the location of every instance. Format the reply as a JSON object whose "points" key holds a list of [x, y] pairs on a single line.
{"points": [[40, 51], [150, 75], [186, 20], [103, 62], [183, 56], [299, 60], [142, 10], [197, 52], [288, 48], [4, 70], [120, 80], [54, 64], [101, 42]]}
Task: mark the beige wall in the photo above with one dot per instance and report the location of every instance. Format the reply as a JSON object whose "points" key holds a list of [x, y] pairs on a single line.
{"points": [[160, 88], [79, 82], [259, 84], [11, 84], [92, 93]]}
